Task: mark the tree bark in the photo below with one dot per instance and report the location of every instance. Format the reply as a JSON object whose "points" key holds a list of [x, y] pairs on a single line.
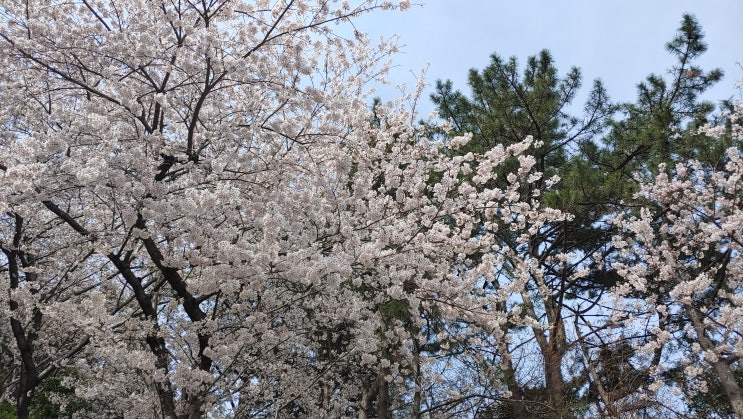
{"points": [[368, 395], [383, 396], [29, 378], [517, 402], [417, 396], [552, 344]]}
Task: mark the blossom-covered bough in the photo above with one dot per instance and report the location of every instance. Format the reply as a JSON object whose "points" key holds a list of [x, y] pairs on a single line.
{"points": [[200, 216], [683, 289]]}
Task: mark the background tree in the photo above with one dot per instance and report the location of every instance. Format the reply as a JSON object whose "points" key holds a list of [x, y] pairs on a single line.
{"points": [[506, 106], [660, 129], [685, 263], [660, 126], [597, 168]]}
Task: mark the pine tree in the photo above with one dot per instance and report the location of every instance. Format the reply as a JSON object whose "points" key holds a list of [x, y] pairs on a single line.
{"points": [[660, 126], [660, 130], [597, 160], [505, 107]]}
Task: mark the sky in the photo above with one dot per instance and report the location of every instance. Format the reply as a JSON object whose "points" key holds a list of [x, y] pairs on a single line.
{"points": [[618, 41]]}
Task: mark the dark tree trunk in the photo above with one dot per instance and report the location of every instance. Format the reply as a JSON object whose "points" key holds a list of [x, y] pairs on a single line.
{"points": [[383, 397]]}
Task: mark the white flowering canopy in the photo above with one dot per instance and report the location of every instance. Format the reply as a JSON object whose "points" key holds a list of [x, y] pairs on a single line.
{"points": [[201, 216]]}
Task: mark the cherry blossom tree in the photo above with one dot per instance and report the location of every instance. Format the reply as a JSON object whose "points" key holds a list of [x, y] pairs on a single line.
{"points": [[682, 265], [200, 216]]}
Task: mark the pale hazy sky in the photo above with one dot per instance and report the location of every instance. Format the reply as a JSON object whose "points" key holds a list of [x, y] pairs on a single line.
{"points": [[619, 41]]}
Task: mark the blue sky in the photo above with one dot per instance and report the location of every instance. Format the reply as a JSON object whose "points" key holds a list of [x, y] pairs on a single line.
{"points": [[618, 41]]}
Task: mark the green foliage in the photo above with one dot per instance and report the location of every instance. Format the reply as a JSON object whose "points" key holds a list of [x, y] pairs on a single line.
{"points": [[7, 411], [395, 309], [46, 403], [506, 105], [52, 389], [660, 127]]}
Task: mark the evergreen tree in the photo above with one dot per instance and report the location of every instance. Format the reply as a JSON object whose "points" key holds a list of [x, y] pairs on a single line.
{"points": [[598, 170], [504, 108], [659, 130], [660, 126]]}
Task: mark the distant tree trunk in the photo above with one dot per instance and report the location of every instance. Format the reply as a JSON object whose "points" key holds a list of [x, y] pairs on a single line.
{"points": [[517, 403], [29, 377], [164, 390], [24, 338], [610, 410], [368, 395], [553, 355], [383, 397], [552, 345], [417, 397]]}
